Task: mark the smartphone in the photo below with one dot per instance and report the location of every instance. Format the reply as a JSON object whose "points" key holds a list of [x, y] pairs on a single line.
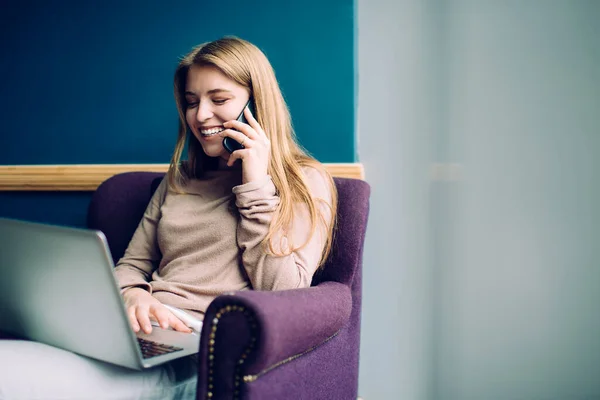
{"points": [[230, 144]]}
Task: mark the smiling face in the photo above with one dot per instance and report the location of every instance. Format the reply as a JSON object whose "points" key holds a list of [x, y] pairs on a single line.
{"points": [[211, 99]]}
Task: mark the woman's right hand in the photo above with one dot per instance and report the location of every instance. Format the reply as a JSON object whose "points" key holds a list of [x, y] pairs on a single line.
{"points": [[141, 306]]}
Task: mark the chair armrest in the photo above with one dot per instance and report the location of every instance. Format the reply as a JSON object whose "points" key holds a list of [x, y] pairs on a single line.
{"points": [[247, 332], [290, 322]]}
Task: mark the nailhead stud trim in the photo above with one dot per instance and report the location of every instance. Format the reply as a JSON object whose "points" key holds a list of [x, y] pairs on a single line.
{"points": [[243, 357]]}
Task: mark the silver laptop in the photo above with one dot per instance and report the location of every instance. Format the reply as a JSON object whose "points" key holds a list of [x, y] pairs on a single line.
{"points": [[57, 287]]}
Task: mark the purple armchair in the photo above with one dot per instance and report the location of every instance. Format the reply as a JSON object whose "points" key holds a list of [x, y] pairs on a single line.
{"points": [[292, 344]]}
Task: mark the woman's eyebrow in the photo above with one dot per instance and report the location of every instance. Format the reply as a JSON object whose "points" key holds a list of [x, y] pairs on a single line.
{"points": [[212, 91], [218, 90]]}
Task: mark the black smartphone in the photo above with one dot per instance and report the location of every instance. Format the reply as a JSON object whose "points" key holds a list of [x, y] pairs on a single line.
{"points": [[230, 144]]}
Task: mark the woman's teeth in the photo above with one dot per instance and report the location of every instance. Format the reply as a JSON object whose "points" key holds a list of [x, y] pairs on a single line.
{"points": [[211, 131]]}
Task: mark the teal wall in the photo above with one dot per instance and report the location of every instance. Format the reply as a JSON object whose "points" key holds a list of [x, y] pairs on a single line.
{"points": [[91, 82]]}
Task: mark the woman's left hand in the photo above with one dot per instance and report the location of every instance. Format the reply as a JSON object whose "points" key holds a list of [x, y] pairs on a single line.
{"points": [[257, 147]]}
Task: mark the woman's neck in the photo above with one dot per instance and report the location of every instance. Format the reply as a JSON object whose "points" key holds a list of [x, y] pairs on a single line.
{"points": [[222, 166]]}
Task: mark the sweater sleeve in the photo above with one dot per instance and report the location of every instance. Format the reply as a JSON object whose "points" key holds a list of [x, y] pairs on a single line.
{"points": [[257, 202], [142, 256]]}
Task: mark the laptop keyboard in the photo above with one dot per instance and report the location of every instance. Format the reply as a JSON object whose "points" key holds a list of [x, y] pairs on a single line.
{"points": [[152, 349]]}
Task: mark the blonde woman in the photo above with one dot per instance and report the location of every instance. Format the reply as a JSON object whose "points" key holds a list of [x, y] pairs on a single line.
{"points": [[261, 217], [258, 218]]}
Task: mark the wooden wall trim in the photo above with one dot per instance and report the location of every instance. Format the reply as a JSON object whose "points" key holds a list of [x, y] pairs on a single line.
{"points": [[88, 177]]}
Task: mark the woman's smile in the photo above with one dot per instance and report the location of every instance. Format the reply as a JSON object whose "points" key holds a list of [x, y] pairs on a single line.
{"points": [[211, 131]]}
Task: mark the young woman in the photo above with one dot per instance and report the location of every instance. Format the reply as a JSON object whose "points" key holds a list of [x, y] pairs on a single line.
{"points": [[261, 217]]}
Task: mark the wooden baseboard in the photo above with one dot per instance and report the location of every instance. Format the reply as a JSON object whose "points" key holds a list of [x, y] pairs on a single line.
{"points": [[88, 177]]}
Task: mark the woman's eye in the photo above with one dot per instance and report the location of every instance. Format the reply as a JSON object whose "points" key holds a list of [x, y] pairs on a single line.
{"points": [[219, 101], [191, 104]]}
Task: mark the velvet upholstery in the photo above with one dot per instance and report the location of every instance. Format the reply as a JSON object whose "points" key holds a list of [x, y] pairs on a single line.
{"points": [[292, 344]]}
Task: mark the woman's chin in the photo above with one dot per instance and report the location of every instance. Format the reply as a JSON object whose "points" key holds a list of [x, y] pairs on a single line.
{"points": [[214, 149]]}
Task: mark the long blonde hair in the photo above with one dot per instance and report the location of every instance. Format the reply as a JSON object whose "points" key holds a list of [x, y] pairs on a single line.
{"points": [[246, 64]]}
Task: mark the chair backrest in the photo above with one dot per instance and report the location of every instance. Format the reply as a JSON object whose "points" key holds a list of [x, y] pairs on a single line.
{"points": [[119, 203], [352, 216]]}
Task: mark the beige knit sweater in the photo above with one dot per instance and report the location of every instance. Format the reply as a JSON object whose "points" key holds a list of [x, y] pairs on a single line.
{"points": [[189, 248]]}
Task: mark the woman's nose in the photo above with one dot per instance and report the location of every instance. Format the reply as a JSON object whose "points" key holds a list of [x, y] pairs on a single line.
{"points": [[204, 112]]}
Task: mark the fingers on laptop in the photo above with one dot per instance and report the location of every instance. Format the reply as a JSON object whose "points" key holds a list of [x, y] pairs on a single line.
{"points": [[161, 314], [178, 325], [143, 318], [139, 318], [133, 321], [166, 319]]}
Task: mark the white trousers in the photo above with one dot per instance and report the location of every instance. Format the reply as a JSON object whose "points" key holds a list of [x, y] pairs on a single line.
{"points": [[35, 371]]}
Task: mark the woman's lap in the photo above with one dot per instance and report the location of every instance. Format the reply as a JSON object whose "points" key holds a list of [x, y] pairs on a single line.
{"points": [[30, 370]]}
